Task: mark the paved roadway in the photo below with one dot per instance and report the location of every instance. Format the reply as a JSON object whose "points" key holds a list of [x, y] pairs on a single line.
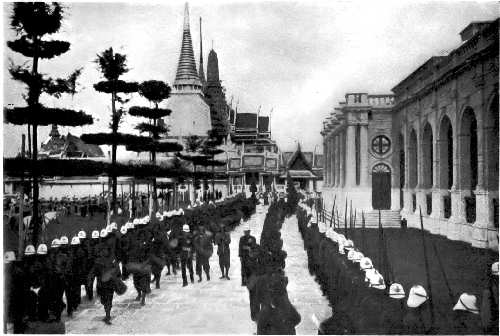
{"points": [[214, 307]]}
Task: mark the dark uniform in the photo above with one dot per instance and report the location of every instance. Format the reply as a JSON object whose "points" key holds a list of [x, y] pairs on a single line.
{"points": [[157, 257], [186, 254], [106, 270], [245, 244], [223, 239], [142, 278], [204, 250], [255, 271], [278, 316]]}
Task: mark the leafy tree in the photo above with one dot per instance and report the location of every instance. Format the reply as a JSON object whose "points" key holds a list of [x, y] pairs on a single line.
{"points": [[112, 66], [33, 22], [155, 92]]}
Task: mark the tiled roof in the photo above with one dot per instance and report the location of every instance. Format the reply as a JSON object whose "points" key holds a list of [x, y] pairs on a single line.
{"points": [[70, 146], [263, 124], [246, 120]]}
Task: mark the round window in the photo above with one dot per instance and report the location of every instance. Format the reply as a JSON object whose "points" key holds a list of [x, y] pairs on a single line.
{"points": [[381, 144]]}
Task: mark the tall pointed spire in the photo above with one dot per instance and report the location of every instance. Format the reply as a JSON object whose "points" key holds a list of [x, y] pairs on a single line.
{"points": [[186, 68], [201, 73], [213, 68]]}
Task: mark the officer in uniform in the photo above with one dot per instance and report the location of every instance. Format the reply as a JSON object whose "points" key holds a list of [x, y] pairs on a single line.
{"points": [[105, 269], [141, 277], [204, 250], [186, 254], [91, 257], [223, 239], [245, 244]]}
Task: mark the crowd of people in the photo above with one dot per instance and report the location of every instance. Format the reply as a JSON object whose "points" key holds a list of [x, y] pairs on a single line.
{"points": [[364, 303], [36, 284], [263, 273]]}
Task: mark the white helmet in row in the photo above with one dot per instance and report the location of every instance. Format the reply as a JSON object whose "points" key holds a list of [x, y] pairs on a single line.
{"points": [[42, 249], [417, 296], [9, 257], [82, 235], [75, 241], [365, 263], [55, 243], [355, 256], [123, 229], [494, 268], [374, 278], [104, 233], [467, 302], [64, 240], [348, 244], [95, 234], [396, 291], [29, 250]]}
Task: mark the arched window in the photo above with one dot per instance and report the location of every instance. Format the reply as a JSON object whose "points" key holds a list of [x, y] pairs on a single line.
{"points": [[468, 150], [358, 153], [413, 163], [445, 154], [491, 135], [428, 157]]}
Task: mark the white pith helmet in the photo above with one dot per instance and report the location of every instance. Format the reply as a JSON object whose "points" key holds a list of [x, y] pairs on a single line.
{"points": [[42, 249]]}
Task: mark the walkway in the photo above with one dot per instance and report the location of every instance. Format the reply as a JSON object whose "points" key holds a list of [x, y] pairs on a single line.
{"points": [[215, 307], [304, 293], [210, 307]]}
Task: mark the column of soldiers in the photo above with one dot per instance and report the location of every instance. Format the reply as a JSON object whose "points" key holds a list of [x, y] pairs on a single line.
{"points": [[262, 272], [37, 283], [363, 303]]}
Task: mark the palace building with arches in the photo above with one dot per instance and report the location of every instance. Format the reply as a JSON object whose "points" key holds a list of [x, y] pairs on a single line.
{"points": [[430, 147]]}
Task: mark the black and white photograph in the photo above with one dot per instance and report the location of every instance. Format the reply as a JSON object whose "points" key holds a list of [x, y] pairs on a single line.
{"points": [[265, 167]]}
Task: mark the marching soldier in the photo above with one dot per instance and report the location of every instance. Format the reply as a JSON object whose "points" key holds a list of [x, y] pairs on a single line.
{"points": [[157, 256], [105, 269], [223, 239], [142, 274], [245, 244], [204, 250], [186, 254]]}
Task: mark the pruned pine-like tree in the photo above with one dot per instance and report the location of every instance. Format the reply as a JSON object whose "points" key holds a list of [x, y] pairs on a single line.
{"points": [[112, 66], [193, 153], [155, 92], [211, 149], [33, 22]]}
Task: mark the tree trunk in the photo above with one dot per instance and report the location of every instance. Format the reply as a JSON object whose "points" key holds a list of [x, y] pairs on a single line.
{"points": [[153, 182], [113, 153], [213, 182], [29, 141], [35, 220]]}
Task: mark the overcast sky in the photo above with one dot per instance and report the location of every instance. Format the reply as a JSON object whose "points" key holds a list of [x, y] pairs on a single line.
{"points": [[298, 57]]}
